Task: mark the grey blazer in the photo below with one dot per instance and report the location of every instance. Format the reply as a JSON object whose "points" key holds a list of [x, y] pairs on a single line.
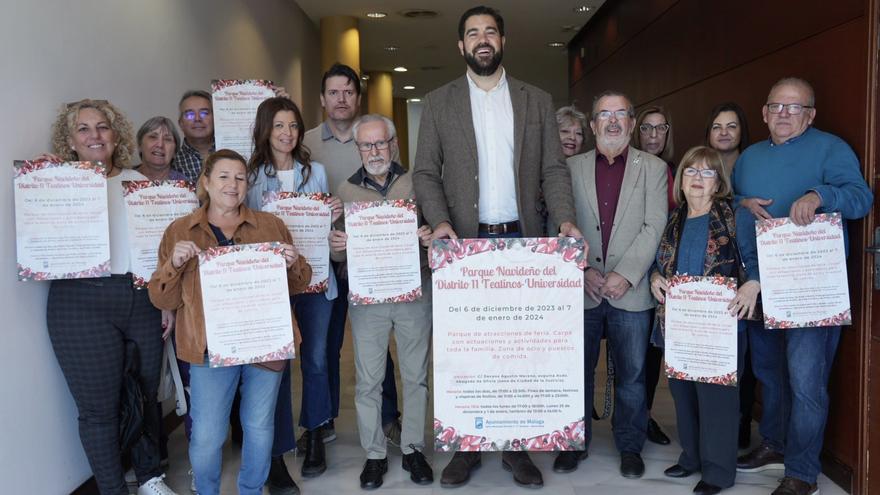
{"points": [[446, 171], [638, 222]]}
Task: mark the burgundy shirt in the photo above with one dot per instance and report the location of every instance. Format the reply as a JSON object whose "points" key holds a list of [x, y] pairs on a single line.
{"points": [[609, 178]]}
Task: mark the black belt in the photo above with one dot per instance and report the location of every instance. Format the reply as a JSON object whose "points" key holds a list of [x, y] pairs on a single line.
{"points": [[499, 228]]}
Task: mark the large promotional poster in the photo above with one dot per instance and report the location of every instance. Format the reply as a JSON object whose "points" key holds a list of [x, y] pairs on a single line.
{"points": [[508, 344]]}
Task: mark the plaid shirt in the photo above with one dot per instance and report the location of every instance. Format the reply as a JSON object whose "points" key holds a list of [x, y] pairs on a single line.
{"points": [[188, 161]]}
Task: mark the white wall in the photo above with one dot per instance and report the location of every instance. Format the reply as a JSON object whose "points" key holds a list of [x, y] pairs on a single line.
{"points": [[141, 56], [413, 118]]}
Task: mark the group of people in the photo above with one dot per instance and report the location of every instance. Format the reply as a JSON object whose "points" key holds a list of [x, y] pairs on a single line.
{"points": [[493, 160]]}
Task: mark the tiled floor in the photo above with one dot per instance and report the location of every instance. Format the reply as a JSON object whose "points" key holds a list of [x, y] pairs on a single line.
{"points": [[596, 475]]}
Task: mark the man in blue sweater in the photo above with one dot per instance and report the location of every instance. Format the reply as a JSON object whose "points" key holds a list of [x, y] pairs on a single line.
{"points": [[798, 172]]}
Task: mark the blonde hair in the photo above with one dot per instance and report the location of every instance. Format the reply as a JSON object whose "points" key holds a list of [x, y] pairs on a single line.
{"points": [[66, 120], [712, 159], [208, 167]]}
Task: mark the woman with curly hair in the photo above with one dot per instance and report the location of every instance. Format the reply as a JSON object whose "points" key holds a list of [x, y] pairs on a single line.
{"points": [[90, 320], [280, 162]]}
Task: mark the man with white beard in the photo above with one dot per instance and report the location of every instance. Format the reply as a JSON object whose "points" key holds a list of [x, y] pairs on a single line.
{"points": [[379, 179], [621, 204]]}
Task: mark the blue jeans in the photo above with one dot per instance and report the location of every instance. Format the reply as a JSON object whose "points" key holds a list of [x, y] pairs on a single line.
{"points": [[793, 366], [627, 332], [211, 394], [335, 338], [285, 438], [313, 315]]}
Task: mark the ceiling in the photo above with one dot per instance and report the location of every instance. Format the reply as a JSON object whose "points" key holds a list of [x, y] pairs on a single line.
{"points": [[427, 47]]}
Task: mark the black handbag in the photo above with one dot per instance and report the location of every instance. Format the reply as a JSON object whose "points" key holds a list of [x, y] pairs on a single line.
{"points": [[131, 421]]}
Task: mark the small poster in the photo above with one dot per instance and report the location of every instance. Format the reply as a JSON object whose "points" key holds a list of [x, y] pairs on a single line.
{"points": [[508, 344], [235, 104], [701, 334], [150, 207], [62, 227], [246, 304], [308, 218], [383, 252], [803, 272]]}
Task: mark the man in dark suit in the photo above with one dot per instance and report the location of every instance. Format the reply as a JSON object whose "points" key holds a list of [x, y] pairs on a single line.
{"points": [[476, 174]]}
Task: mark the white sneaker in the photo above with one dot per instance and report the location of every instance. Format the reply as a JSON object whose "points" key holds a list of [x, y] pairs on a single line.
{"points": [[156, 486], [192, 483]]}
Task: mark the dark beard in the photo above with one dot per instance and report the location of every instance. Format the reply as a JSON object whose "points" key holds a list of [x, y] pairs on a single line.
{"points": [[480, 69]]}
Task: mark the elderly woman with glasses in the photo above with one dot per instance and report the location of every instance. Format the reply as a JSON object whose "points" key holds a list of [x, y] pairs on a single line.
{"points": [[281, 162], [90, 319], [707, 414]]}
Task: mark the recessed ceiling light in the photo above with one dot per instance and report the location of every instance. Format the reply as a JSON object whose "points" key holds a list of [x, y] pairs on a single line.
{"points": [[556, 44], [409, 87], [413, 100], [400, 69], [581, 9], [376, 15], [391, 48]]}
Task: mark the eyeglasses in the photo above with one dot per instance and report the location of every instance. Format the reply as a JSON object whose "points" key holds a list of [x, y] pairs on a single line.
{"points": [[606, 114], [793, 108], [191, 114], [660, 128], [379, 145], [706, 173]]}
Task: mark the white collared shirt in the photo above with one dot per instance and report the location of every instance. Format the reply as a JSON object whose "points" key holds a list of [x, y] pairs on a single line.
{"points": [[492, 113]]}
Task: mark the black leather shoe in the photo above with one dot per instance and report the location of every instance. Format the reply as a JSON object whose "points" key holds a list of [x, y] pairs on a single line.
{"points": [[567, 460], [763, 457], [677, 471], [525, 473], [631, 465], [704, 488], [417, 466], [314, 462], [655, 434], [279, 481], [458, 471], [371, 476]]}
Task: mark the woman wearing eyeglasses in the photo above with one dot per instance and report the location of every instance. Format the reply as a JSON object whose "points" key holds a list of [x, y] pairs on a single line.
{"points": [[90, 319], [281, 162], [654, 135], [704, 237]]}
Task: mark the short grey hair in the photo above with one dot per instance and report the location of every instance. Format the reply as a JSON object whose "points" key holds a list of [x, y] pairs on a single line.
{"points": [[571, 114], [612, 92], [201, 93], [155, 123], [374, 117], [795, 81]]}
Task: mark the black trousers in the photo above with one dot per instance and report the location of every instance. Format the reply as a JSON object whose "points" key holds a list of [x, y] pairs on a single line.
{"points": [[708, 425], [89, 320]]}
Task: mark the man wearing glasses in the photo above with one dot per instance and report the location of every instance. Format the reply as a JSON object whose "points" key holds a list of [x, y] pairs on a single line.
{"points": [[197, 123], [798, 172], [380, 178], [488, 144], [621, 201]]}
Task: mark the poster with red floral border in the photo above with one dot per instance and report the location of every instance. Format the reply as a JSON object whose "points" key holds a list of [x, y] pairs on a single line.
{"points": [[383, 252], [308, 218], [235, 103], [701, 334], [150, 206], [508, 344], [62, 227], [246, 304], [803, 272]]}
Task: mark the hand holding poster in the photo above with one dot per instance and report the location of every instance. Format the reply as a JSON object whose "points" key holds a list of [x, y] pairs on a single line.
{"points": [[803, 273], [508, 344], [246, 304], [701, 334], [150, 207], [235, 105], [308, 218], [383, 252], [61, 220]]}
